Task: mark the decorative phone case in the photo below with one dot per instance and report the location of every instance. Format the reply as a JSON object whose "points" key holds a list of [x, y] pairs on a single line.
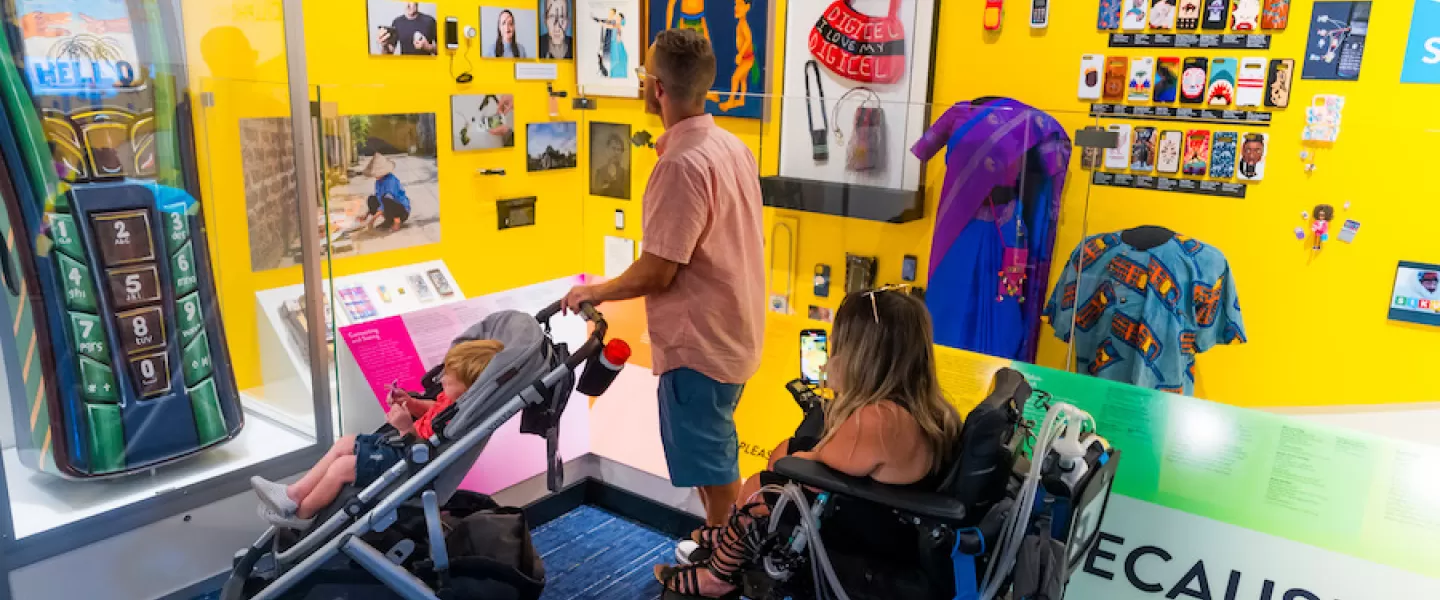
{"points": [[1222, 154], [1196, 155], [1167, 159], [1133, 17], [1115, 67], [1250, 83], [1090, 158], [1277, 83], [1167, 79], [1222, 82], [1142, 78], [1214, 14], [1162, 14], [1187, 17], [1109, 15], [1090, 77], [1252, 156], [1118, 158], [1142, 150], [1245, 16], [1276, 14], [1192, 80]]}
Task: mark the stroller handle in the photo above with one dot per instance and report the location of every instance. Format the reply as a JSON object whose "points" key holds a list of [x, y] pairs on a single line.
{"points": [[594, 343]]}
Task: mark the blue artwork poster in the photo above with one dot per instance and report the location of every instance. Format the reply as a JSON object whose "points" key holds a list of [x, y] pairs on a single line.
{"points": [[1336, 44], [1422, 54], [78, 47], [738, 31]]}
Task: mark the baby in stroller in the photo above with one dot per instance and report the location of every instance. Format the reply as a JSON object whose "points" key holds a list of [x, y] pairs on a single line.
{"points": [[360, 459]]}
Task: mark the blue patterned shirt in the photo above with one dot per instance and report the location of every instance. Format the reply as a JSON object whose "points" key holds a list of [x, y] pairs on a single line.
{"points": [[1141, 316]]}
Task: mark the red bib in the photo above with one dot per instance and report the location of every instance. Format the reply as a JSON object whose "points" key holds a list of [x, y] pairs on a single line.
{"points": [[858, 46]]}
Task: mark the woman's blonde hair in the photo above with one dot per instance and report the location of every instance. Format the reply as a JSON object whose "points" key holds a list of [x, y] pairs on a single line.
{"points": [[884, 349], [467, 360]]}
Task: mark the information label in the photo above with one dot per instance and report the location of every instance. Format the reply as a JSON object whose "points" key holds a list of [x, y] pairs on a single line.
{"points": [[1219, 116], [1169, 184], [1189, 40]]}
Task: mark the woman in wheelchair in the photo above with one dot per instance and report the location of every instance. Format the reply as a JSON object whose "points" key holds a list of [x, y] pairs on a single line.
{"points": [[888, 421]]}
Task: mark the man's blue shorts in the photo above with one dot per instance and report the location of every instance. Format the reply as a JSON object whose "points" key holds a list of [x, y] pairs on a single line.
{"points": [[697, 425]]}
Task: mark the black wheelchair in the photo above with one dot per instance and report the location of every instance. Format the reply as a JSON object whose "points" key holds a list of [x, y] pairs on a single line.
{"points": [[999, 523]]}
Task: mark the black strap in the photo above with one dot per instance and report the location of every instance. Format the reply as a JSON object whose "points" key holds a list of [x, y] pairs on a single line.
{"points": [[813, 67]]}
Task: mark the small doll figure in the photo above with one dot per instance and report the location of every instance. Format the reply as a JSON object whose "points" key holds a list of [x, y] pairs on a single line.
{"points": [[1320, 227]]}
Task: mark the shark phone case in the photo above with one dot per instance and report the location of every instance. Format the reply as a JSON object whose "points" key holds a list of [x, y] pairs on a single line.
{"points": [[1091, 66], [1167, 79], [1196, 156], [1118, 158], [1222, 154], [1187, 16], [1250, 83], [1167, 153], [1142, 150], [1277, 83], [1222, 82], [1162, 14], [1276, 14], [1109, 18], [1252, 156], [1214, 14], [1133, 17], [1142, 78], [1245, 16], [1115, 67], [1192, 80]]}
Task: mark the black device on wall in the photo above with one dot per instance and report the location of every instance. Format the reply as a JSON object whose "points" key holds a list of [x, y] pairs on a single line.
{"points": [[822, 281], [908, 270], [859, 273], [452, 34]]}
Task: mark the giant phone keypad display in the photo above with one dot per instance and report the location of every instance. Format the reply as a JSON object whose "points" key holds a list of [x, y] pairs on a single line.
{"points": [[118, 338]]}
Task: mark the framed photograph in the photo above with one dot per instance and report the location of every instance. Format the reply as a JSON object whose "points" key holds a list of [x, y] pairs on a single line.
{"points": [[557, 30], [482, 121], [607, 37], [551, 145], [402, 28], [507, 32], [384, 183], [739, 31], [1416, 297], [610, 160]]}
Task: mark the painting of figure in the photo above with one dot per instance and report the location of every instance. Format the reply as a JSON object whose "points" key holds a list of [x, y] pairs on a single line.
{"points": [[738, 31]]}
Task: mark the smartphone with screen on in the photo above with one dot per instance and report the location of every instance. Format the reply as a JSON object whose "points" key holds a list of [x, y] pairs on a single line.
{"points": [[814, 353]]}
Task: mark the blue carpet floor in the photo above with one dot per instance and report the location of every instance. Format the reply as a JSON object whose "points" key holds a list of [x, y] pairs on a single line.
{"points": [[591, 554]]}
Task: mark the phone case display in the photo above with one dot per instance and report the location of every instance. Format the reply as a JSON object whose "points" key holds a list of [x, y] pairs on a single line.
{"points": [[1188, 17], [1118, 158], [1090, 81], [1222, 154], [1162, 14], [1109, 17], [740, 35], [1196, 158], [1277, 83], [1250, 83], [128, 367], [1142, 151], [1115, 69], [1245, 16], [989, 224], [862, 74], [608, 47], [1222, 82], [1133, 17], [1216, 15], [1168, 159], [356, 302], [1142, 304], [1167, 79], [994, 15], [1142, 77], [1252, 156], [1323, 118], [1276, 14], [1192, 80], [1090, 158]]}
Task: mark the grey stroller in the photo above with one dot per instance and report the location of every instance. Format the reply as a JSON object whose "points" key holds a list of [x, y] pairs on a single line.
{"points": [[534, 374]]}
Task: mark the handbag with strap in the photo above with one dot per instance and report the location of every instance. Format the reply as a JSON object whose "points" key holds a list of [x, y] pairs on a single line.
{"points": [[858, 46]]}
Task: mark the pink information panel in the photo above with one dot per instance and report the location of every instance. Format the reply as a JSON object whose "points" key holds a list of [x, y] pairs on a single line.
{"points": [[402, 348]]}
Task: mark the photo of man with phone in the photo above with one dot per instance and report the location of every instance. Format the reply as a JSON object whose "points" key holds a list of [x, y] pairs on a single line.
{"points": [[404, 28]]}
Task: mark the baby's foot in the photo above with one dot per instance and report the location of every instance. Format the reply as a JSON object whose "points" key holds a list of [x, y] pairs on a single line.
{"points": [[275, 496]]}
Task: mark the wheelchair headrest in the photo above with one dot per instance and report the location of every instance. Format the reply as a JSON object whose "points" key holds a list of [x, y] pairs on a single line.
{"points": [[980, 468]]}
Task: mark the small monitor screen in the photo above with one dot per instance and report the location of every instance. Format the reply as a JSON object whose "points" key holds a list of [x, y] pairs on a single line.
{"points": [[1416, 297]]}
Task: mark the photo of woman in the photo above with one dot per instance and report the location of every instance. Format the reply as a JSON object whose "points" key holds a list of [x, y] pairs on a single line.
{"points": [[507, 32], [605, 33], [556, 42], [614, 59]]}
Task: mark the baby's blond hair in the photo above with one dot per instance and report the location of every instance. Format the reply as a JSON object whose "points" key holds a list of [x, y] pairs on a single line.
{"points": [[467, 360]]}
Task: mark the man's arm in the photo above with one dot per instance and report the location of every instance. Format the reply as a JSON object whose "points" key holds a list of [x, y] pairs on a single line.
{"points": [[649, 275]]}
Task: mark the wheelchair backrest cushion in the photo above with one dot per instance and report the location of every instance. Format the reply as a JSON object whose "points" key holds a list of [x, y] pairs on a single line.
{"points": [[980, 467]]}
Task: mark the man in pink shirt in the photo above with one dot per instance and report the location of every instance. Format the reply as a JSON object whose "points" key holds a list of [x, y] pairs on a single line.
{"points": [[702, 273]]}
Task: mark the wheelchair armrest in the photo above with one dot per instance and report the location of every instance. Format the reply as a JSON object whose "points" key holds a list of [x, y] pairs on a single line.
{"points": [[925, 505]]}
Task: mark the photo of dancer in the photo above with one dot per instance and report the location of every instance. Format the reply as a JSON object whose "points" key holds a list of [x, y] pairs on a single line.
{"points": [[557, 40], [607, 33], [403, 28]]}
